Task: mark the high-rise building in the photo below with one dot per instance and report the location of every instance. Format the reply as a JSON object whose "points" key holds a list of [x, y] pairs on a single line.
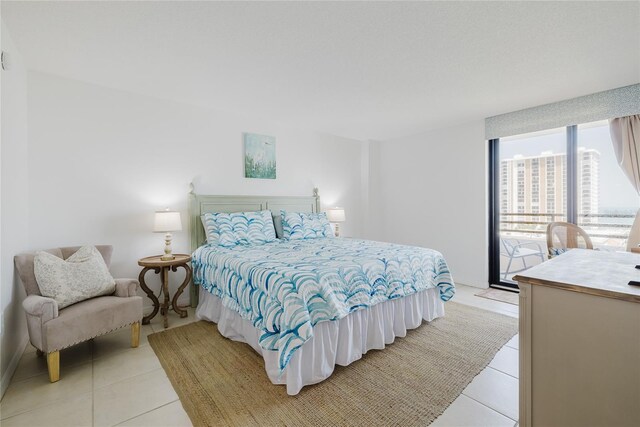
{"points": [[588, 182], [538, 184]]}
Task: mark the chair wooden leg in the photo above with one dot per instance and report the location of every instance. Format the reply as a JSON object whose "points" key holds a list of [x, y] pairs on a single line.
{"points": [[53, 363], [135, 334]]}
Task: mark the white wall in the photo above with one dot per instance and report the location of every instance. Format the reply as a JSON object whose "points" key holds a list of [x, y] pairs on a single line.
{"points": [[14, 206], [101, 161], [430, 190]]}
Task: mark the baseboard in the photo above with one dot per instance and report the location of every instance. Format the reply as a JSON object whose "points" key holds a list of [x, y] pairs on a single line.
{"points": [[6, 378]]}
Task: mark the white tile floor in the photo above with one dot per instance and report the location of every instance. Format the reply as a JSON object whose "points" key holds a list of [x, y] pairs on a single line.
{"points": [[104, 382]]}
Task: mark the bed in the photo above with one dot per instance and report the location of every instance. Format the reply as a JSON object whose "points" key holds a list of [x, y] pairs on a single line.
{"points": [[308, 305]]}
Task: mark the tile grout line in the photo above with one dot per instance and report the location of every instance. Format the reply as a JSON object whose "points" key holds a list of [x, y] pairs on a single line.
{"points": [[39, 407], [116, 352], [75, 365], [44, 405], [133, 376], [493, 409], [500, 370], [93, 390], [91, 341], [503, 372], [489, 407], [146, 412], [491, 367]]}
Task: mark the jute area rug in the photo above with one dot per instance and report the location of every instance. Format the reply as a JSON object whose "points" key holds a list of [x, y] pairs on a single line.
{"points": [[500, 295], [411, 382]]}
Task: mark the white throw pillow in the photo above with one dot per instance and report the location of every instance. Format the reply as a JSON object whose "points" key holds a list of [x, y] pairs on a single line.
{"points": [[82, 276]]}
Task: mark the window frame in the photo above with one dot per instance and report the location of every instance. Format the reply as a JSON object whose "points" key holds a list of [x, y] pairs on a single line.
{"points": [[495, 280]]}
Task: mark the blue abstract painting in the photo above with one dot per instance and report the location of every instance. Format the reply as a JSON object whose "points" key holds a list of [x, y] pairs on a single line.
{"points": [[259, 156]]}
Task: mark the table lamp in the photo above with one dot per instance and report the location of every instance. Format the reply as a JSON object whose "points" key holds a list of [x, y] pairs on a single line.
{"points": [[336, 216], [165, 222]]}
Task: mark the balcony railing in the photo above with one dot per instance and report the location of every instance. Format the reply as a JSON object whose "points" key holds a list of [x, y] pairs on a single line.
{"points": [[605, 226], [608, 232]]}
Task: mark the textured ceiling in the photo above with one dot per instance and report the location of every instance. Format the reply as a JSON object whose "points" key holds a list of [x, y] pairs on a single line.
{"points": [[365, 70]]}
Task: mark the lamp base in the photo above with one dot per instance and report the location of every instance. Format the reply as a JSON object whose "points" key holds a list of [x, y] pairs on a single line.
{"points": [[168, 256]]}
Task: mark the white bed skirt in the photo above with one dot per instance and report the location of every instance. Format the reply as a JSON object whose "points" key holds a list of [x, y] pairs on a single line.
{"points": [[340, 342]]}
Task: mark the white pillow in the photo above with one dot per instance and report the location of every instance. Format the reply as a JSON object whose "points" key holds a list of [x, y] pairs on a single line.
{"points": [[82, 276]]}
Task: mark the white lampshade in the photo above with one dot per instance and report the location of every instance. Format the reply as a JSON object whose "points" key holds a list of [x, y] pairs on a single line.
{"points": [[166, 221], [336, 215]]}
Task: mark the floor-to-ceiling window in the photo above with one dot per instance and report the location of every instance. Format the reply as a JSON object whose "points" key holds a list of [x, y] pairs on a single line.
{"points": [[607, 202], [565, 174]]}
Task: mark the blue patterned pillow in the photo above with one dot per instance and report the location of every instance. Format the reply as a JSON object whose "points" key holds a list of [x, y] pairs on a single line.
{"points": [[557, 251], [303, 225], [239, 228]]}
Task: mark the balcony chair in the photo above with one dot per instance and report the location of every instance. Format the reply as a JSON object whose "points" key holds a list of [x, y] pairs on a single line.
{"points": [[519, 250], [51, 330], [562, 236]]}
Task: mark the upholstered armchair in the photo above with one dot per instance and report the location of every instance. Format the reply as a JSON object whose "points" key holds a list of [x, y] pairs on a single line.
{"points": [[51, 329]]}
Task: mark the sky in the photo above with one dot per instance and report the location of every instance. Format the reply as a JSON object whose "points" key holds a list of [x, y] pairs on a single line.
{"points": [[616, 192]]}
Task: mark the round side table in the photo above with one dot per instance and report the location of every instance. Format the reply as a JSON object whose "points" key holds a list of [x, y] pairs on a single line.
{"points": [[158, 265]]}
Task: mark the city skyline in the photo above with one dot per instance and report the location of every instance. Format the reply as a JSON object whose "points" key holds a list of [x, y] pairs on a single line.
{"points": [[617, 195], [537, 184]]}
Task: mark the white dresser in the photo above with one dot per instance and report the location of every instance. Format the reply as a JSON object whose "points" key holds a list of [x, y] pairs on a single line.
{"points": [[580, 341]]}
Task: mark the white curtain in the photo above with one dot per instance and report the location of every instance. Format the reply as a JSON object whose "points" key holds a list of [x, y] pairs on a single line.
{"points": [[625, 135]]}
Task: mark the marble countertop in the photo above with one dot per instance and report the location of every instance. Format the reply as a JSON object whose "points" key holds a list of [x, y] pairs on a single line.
{"points": [[592, 272]]}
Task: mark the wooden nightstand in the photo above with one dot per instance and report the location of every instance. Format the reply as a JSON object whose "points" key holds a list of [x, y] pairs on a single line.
{"points": [[158, 265]]}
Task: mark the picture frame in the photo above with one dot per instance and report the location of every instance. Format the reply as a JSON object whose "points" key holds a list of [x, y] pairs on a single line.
{"points": [[259, 156]]}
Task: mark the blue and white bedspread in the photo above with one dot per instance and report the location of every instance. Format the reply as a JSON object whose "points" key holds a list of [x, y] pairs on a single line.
{"points": [[286, 287]]}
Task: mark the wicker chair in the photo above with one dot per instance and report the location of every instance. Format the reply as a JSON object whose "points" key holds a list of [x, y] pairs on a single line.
{"points": [[562, 236]]}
